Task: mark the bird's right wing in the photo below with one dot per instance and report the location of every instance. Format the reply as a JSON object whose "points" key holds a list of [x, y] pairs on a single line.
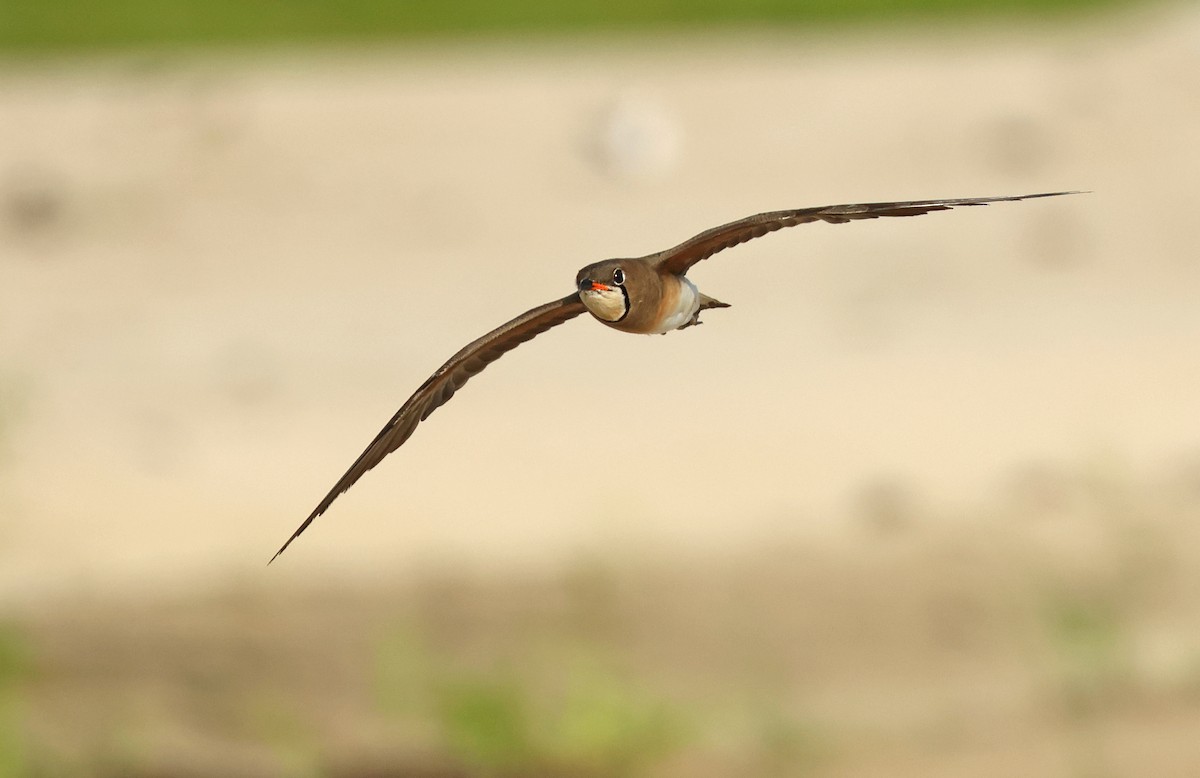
{"points": [[441, 386]]}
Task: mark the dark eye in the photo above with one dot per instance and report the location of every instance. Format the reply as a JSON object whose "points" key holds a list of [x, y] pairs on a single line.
{"points": [[618, 276]]}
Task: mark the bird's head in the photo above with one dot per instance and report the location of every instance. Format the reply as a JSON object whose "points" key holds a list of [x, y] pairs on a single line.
{"points": [[602, 288], [614, 288]]}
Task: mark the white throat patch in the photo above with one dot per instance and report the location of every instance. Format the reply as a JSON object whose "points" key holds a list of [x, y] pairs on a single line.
{"points": [[606, 304]]}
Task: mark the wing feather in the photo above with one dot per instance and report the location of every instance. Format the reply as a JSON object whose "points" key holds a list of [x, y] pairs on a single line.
{"points": [[441, 386], [709, 242]]}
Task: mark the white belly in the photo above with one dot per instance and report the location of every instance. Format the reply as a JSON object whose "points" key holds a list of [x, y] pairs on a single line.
{"points": [[685, 308]]}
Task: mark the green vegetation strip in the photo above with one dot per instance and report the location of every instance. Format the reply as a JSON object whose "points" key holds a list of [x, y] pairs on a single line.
{"points": [[53, 25]]}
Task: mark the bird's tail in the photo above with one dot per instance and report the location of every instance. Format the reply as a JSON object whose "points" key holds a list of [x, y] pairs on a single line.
{"points": [[707, 302]]}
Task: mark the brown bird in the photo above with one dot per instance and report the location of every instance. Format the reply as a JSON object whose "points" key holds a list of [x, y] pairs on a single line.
{"points": [[647, 295]]}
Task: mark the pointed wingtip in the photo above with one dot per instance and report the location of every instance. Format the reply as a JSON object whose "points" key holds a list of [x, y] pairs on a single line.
{"points": [[283, 548], [280, 551], [1016, 198], [298, 532], [1056, 194]]}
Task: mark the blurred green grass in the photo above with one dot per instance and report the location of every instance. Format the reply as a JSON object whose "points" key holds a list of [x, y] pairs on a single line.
{"points": [[602, 723], [15, 668], [546, 705], [48, 25]]}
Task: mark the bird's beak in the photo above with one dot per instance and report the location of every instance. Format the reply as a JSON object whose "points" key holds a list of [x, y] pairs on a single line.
{"points": [[598, 287]]}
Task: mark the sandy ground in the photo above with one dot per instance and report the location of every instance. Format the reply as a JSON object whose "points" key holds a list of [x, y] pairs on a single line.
{"points": [[222, 274]]}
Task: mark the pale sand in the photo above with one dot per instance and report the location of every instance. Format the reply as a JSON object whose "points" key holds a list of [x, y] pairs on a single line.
{"points": [[220, 277]]}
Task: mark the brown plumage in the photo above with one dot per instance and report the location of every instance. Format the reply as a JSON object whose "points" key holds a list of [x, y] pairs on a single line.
{"points": [[642, 295]]}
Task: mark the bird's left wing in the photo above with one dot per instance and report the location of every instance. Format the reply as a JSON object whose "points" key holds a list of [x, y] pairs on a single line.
{"points": [[441, 386], [709, 242]]}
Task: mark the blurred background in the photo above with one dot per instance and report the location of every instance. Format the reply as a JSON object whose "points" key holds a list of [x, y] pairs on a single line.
{"points": [[924, 502]]}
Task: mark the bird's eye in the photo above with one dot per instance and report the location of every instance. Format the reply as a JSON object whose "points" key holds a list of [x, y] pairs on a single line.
{"points": [[618, 276]]}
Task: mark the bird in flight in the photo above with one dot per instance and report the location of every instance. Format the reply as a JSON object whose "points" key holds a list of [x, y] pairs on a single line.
{"points": [[646, 295]]}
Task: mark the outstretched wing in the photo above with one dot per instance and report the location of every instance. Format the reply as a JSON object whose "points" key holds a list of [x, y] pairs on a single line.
{"points": [[441, 386], [709, 242]]}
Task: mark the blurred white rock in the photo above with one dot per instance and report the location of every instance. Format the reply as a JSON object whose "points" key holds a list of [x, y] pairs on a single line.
{"points": [[636, 139]]}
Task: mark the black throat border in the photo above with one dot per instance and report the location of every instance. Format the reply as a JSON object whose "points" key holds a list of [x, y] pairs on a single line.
{"points": [[625, 294]]}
